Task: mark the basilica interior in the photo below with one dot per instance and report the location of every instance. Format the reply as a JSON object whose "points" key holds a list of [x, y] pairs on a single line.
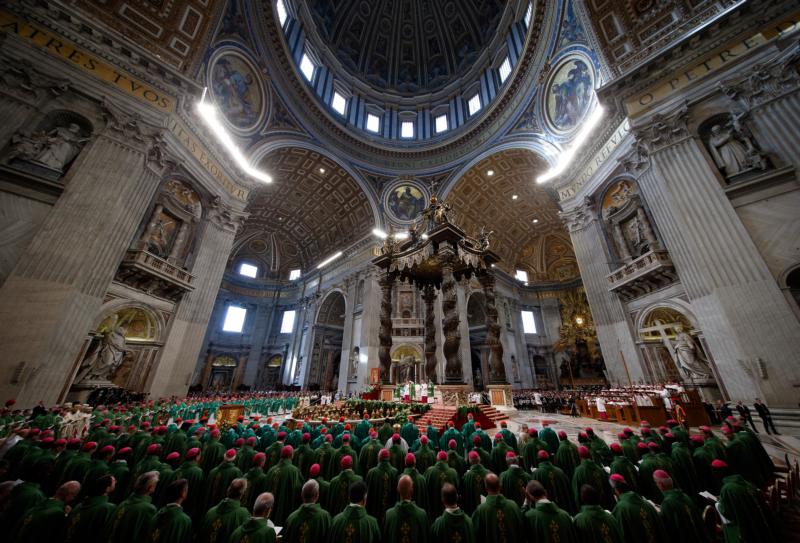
{"points": [[340, 196]]}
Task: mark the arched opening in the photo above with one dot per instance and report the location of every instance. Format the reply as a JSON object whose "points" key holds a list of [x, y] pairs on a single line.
{"points": [[326, 352]]}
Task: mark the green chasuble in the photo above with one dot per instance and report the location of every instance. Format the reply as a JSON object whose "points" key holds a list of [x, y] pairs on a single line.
{"points": [[600, 450], [381, 489], [45, 522], [221, 521], [86, 521], [354, 525], [420, 487], [596, 525], [453, 527], [368, 456], [549, 436], [647, 487], [212, 454], [131, 520], [244, 458], [455, 461], [256, 484], [589, 473], [624, 467], [683, 466], [405, 522], [218, 481], [397, 456], [339, 491], [194, 475], [409, 432], [498, 457], [547, 523], [171, 525], [638, 520], [555, 481], [567, 457], [681, 518], [530, 452], [498, 520], [285, 483], [435, 478], [426, 457], [324, 457], [309, 524], [255, 530], [748, 519], [513, 481], [23, 498], [473, 488]]}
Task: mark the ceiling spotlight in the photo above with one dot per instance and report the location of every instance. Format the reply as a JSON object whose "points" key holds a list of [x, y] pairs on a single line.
{"points": [[380, 233], [535, 221], [400, 235], [493, 265], [514, 197], [490, 172], [322, 170], [424, 236]]}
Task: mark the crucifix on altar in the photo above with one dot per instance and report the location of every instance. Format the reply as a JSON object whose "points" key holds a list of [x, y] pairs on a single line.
{"points": [[433, 258]]}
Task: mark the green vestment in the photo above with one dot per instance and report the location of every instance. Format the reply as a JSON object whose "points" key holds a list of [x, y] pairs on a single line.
{"points": [[339, 491], [194, 475], [623, 466], [498, 457], [368, 456], [425, 456], [682, 520], [256, 484], [221, 521], [284, 482], [589, 473], [86, 522], [453, 527], [567, 457], [549, 436], [498, 520], [405, 522], [44, 522], [746, 517], [473, 488], [513, 482], [596, 525], [530, 452], [309, 524], [171, 525], [638, 520], [132, 520], [547, 523], [354, 525], [435, 478], [420, 487], [555, 481], [218, 481], [409, 432], [255, 530], [647, 487], [212, 454], [24, 497], [324, 457], [381, 489]]}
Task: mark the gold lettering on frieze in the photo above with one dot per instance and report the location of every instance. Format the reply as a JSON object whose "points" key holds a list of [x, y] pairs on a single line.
{"points": [[84, 61]]}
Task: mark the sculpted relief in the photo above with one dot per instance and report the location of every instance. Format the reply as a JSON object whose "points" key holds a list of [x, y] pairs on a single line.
{"points": [[50, 150], [732, 147]]}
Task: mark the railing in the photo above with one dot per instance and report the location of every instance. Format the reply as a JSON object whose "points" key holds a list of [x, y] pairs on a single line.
{"points": [[149, 263], [653, 269]]}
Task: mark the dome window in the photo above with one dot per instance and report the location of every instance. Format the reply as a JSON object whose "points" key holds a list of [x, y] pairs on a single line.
{"points": [[248, 270], [373, 123], [441, 123], [407, 129], [474, 104], [505, 70], [280, 7], [528, 15], [338, 103], [308, 67], [294, 274]]}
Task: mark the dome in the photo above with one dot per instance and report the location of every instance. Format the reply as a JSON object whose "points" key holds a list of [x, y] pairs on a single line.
{"points": [[410, 46]]}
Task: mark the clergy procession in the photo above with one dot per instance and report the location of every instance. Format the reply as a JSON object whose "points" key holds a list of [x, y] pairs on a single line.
{"points": [[149, 472]]}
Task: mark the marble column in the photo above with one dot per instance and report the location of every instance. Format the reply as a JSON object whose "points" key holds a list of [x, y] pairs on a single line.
{"points": [[741, 311], [50, 300], [453, 369], [622, 245], [385, 333], [614, 329], [185, 340]]}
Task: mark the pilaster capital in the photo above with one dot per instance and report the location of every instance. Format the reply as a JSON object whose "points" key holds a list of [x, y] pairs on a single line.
{"points": [[766, 80], [579, 217], [637, 160], [662, 131], [225, 217]]}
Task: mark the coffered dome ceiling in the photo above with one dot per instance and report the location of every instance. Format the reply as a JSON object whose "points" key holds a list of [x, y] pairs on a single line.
{"points": [[528, 233], [407, 46]]}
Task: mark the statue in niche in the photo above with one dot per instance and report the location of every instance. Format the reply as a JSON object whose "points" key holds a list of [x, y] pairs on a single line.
{"points": [[102, 363], [636, 236], [405, 369], [54, 149], [733, 150], [354, 363], [688, 356]]}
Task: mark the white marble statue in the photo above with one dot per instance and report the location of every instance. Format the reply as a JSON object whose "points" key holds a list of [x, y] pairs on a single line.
{"points": [[354, 364], [60, 146], [688, 356], [104, 361], [728, 152]]}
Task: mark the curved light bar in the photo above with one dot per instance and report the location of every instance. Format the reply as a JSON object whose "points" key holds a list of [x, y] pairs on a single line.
{"points": [[567, 155], [209, 114]]}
